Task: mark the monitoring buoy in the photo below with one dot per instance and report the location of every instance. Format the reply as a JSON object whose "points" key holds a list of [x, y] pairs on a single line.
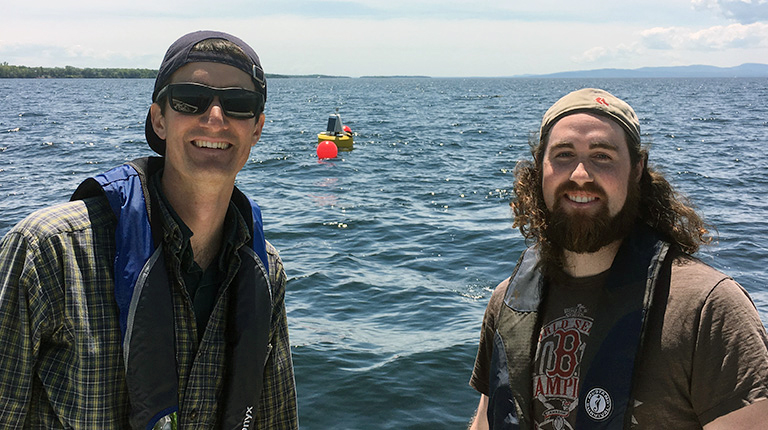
{"points": [[337, 133], [327, 149]]}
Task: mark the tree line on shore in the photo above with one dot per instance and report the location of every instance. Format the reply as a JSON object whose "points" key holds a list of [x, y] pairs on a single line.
{"points": [[9, 71]]}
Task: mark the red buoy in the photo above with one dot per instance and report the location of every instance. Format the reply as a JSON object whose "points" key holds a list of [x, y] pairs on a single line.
{"points": [[347, 129], [327, 149]]}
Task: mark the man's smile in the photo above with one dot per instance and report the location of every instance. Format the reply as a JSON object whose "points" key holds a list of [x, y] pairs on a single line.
{"points": [[211, 145], [580, 197]]}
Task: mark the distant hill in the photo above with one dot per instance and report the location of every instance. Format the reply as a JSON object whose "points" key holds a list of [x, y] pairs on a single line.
{"points": [[392, 76], [749, 70]]}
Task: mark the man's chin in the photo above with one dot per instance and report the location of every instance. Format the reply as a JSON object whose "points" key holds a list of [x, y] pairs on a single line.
{"points": [[581, 234]]}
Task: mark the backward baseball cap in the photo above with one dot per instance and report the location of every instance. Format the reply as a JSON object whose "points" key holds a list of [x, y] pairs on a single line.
{"points": [[180, 53], [596, 101]]}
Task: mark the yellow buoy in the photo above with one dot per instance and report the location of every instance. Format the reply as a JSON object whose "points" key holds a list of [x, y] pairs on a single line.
{"points": [[341, 141], [336, 133]]}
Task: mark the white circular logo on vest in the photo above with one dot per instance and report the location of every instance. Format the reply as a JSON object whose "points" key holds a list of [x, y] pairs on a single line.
{"points": [[598, 404]]}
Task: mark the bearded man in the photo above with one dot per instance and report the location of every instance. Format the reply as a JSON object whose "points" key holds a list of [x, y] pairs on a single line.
{"points": [[608, 322]]}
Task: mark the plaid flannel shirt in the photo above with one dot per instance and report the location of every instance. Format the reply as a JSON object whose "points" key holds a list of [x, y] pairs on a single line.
{"points": [[61, 360]]}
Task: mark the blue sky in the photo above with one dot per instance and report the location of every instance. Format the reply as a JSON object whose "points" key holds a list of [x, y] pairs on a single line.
{"points": [[396, 37]]}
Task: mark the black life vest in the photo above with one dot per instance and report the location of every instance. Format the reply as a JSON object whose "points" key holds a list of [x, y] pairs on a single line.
{"points": [[609, 358]]}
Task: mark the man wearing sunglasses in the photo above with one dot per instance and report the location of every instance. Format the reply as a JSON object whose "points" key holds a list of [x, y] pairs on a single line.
{"points": [[152, 299]]}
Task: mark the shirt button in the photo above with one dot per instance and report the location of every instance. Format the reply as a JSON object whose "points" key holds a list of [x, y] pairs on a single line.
{"points": [[193, 413]]}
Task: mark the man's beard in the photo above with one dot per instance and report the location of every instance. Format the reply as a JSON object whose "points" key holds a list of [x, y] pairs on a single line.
{"points": [[585, 234]]}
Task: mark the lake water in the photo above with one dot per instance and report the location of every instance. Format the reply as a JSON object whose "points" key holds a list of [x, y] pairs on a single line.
{"points": [[392, 250]]}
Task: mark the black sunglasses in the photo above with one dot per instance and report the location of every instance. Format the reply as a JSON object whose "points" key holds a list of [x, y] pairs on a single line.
{"points": [[193, 99]]}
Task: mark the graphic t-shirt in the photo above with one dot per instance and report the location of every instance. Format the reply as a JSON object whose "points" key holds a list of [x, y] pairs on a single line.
{"points": [[566, 324]]}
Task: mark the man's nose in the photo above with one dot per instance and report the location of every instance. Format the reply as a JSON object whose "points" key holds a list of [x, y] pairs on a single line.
{"points": [[580, 175], [215, 113]]}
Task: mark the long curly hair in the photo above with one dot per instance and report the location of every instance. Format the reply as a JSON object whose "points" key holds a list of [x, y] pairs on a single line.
{"points": [[661, 207]]}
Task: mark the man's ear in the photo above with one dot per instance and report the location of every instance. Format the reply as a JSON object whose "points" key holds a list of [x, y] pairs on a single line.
{"points": [[257, 130], [638, 169], [158, 120]]}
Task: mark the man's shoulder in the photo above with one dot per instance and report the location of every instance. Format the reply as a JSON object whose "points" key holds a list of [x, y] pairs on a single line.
{"points": [[65, 218], [272, 252], [276, 269], [694, 265], [691, 276], [497, 299], [501, 289], [696, 289]]}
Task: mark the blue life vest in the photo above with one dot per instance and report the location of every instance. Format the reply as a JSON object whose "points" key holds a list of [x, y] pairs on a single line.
{"points": [[609, 358], [144, 299]]}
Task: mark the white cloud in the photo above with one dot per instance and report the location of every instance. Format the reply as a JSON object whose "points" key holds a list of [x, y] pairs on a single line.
{"points": [[743, 11], [601, 54], [711, 39], [721, 45]]}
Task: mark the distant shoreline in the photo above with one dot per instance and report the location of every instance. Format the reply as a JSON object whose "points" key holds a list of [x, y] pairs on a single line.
{"points": [[25, 72], [697, 71]]}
